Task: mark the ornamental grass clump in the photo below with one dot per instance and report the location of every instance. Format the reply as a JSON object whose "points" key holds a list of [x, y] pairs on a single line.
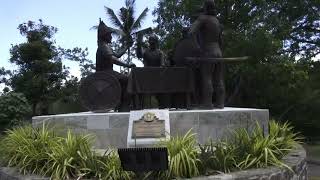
{"points": [[183, 156], [27, 148], [257, 150], [40, 151], [68, 158], [244, 150], [112, 168], [217, 157]]}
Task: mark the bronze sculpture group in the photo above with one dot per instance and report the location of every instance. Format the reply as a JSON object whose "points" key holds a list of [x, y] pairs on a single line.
{"points": [[198, 56]]}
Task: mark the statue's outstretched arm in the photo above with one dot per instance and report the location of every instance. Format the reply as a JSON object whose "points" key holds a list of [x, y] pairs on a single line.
{"points": [[120, 52], [116, 61]]}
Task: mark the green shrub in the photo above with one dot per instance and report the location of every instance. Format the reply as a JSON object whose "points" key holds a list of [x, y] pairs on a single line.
{"points": [[284, 135], [40, 151], [183, 156], [14, 108], [258, 150], [246, 150], [66, 158], [112, 168], [219, 156], [28, 149]]}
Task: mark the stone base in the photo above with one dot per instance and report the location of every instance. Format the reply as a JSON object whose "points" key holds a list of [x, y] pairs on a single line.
{"points": [[111, 129]]}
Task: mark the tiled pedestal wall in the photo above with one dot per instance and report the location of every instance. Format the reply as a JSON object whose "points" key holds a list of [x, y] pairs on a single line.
{"points": [[111, 129]]}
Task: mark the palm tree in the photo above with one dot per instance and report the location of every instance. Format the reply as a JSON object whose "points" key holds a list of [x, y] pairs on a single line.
{"points": [[126, 24]]}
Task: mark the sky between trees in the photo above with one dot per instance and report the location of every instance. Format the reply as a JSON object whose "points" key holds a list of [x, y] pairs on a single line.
{"points": [[73, 18]]}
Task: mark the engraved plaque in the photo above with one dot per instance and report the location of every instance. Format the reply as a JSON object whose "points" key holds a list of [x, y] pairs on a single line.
{"points": [[149, 126]]}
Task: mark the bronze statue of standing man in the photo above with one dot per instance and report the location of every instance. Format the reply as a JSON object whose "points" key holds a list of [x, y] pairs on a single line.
{"points": [[152, 56], [105, 58], [207, 34]]}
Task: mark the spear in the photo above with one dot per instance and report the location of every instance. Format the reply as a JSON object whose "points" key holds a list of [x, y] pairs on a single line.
{"points": [[217, 60]]}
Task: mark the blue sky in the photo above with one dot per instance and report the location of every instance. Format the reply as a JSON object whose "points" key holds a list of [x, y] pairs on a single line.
{"points": [[73, 18]]}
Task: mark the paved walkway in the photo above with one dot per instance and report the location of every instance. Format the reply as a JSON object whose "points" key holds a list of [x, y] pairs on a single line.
{"points": [[313, 162], [314, 170]]}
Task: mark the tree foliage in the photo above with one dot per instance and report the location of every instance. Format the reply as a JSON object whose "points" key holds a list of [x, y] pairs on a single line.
{"points": [[281, 37], [40, 71], [290, 26], [81, 56], [14, 109], [41, 74]]}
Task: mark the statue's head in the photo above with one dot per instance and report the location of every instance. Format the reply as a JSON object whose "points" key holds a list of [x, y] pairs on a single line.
{"points": [[104, 33], [185, 32], [153, 42], [209, 7]]}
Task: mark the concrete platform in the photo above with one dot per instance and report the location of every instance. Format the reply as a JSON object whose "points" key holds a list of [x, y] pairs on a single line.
{"points": [[111, 129]]}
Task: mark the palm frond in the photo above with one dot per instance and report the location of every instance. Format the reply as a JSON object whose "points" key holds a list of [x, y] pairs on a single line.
{"points": [[131, 7], [130, 3], [113, 18], [127, 18], [137, 23], [118, 32], [143, 31]]}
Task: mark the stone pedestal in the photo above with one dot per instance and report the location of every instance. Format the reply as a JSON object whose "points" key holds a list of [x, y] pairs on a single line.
{"points": [[111, 129]]}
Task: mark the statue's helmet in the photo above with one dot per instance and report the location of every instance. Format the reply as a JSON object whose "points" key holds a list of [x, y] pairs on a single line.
{"points": [[103, 31], [153, 39], [209, 7]]}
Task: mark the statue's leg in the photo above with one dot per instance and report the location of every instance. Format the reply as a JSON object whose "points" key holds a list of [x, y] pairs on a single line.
{"points": [[164, 100], [218, 82], [206, 85], [125, 97], [197, 84]]}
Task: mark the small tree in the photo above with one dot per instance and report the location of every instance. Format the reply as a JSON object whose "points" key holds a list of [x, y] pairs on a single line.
{"points": [[40, 74], [14, 109]]}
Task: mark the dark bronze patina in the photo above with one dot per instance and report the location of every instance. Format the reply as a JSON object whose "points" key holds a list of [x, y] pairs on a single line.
{"points": [[107, 97], [207, 37], [198, 55], [149, 126], [152, 56], [100, 91]]}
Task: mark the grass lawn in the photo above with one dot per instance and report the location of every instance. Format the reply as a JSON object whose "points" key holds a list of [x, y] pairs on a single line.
{"points": [[314, 178]]}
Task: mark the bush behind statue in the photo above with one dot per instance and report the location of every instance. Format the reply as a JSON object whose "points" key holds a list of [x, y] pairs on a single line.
{"points": [[14, 109]]}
